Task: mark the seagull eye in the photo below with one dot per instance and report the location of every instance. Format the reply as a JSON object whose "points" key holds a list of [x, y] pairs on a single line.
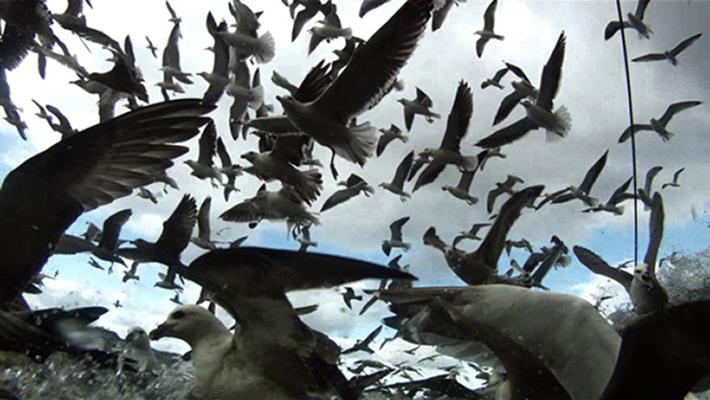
{"points": [[178, 314]]}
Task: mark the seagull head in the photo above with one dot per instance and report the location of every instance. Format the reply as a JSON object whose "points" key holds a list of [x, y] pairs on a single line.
{"points": [[138, 337], [188, 322], [288, 103], [526, 103], [446, 188], [250, 156]]}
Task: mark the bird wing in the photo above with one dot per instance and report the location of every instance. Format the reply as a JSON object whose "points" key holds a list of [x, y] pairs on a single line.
{"points": [[314, 83], [417, 165], [203, 219], [171, 53], [633, 129], [220, 66], [403, 170], [506, 106], [641, 8], [338, 197], [369, 5], [224, 157], [70, 244], [676, 108], [551, 74], [396, 228], [15, 45], [517, 71], [246, 211], [597, 265], [492, 245], [382, 143], [685, 44], [676, 175], [465, 180], [439, 15], [655, 228], [619, 194], [650, 175], [423, 99], [301, 20], [459, 118], [172, 12], [316, 39], [430, 238], [650, 57], [376, 63], [480, 45], [63, 120], [489, 16], [593, 173], [177, 229], [492, 196], [508, 134], [112, 229], [429, 175], [208, 145], [500, 74]]}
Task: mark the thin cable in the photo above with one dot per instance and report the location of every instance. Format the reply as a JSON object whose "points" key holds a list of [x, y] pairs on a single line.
{"points": [[633, 130]]}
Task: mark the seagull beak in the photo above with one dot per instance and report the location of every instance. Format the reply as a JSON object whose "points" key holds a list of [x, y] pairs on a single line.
{"points": [[281, 99], [163, 330]]}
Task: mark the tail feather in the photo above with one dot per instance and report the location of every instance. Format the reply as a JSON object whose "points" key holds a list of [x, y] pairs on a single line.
{"points": [[267, 48], [666, 136], [309, 184], [363, 140], [563, 126]]}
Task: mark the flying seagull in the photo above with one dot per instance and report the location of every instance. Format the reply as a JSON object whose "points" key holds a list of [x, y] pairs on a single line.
{"points": [[203, 167], [421, 105], [495, 81], [646, 192], [449, 152], [400, 174], [539, 114], [471, 233], [389, 135], [203, 239], [218, 78], [634, 21], [502, 187], [107, 246], [674, 183], [328, 29], [487, 32], [645, 291], [281, 356], [353, 187], [669, 55], [304, 239], [612, 205], [581, 192], [284, 204], [373, 68], [92, 168], [659, 125], [395, 240]]}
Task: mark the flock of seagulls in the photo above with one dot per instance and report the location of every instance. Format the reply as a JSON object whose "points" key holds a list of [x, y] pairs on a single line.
{"points": [[525, 341]]}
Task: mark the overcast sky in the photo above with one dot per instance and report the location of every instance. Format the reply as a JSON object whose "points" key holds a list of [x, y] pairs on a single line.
{"points": [[592, 89]]}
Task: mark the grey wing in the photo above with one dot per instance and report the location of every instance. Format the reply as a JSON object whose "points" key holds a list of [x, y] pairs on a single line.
{"points": [[655, 228], [177, 229], [246, 211], [506, 106], [403, 170], [338, 197], [208, 144], [489, 16], [382, 143], [650, 176], [517, 71], [593, 173], [112, 229], [203, 219], [551, 74], [650, 57], [459, 118], [466, 179], [221, 59], [223, 154], [633, 129], [685, 44], [641, 8], [396, 228], [676, 108], [508, 134], [480, 45], [597, 265], [429, 175]]}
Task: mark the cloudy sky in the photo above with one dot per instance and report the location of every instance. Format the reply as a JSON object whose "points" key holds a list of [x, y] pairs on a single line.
{"points": [[592, 89]]}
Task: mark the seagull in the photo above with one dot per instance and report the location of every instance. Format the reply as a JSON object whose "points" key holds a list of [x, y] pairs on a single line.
{"points": [[646, 192], [132, 273], [581, 192], [151, 47], [645, 291], [138, 350], [420, 105], [471, 233], [176, 299], [612, 205], [364, 344], [353, 187], [502, 187], [669, 55], [400, 174], [460, 191], [440, 14], [245, 42], [173, 240], [284, 204], [117, 304], [634, 21], [495, 81], [675, 183], [204, 167], [107, 246], [219, 77], [328, 29], [274, 352], [395, 240], [519, 244], [310, 10], [488, 26], [373, 68], [228, 168], [522, 89], [305, 238], [92, 168], [203, 239], [449, 152], [539, 114], [349, 296], [147, 194], [389, 135], [171, 58], [659, 125]]}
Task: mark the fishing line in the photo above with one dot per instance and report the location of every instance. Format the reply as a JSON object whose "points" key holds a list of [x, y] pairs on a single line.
{"points": [[630, 104]]}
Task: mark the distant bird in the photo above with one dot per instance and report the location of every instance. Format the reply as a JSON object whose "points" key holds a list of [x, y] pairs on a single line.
{"points": [[449, 151], [151, 47], [487, 32], [174, 238], [400, 174], [218, 78], [659, 125], [349, 296], [539, 114], [421, 105], [487, 154], [12, 114], [502, 187], [495, 81], [203, 239], [519, 244], [645, 291], [132, 273], [117, 304], [328, 29], [669, 55], [674, 183], [147, 194], [353, 187], [203, 167], [176, 299], [581, 192], [460, 191], [372, 69], [245, 41], [171, 58], [612, 205], [471, 233], [522, 89], [389, 135], [63, 126], [279, 351], [304, 239], [284, 204], [364, 344], [90, 169], [310, 10], [634, 21], [395, 240]]}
